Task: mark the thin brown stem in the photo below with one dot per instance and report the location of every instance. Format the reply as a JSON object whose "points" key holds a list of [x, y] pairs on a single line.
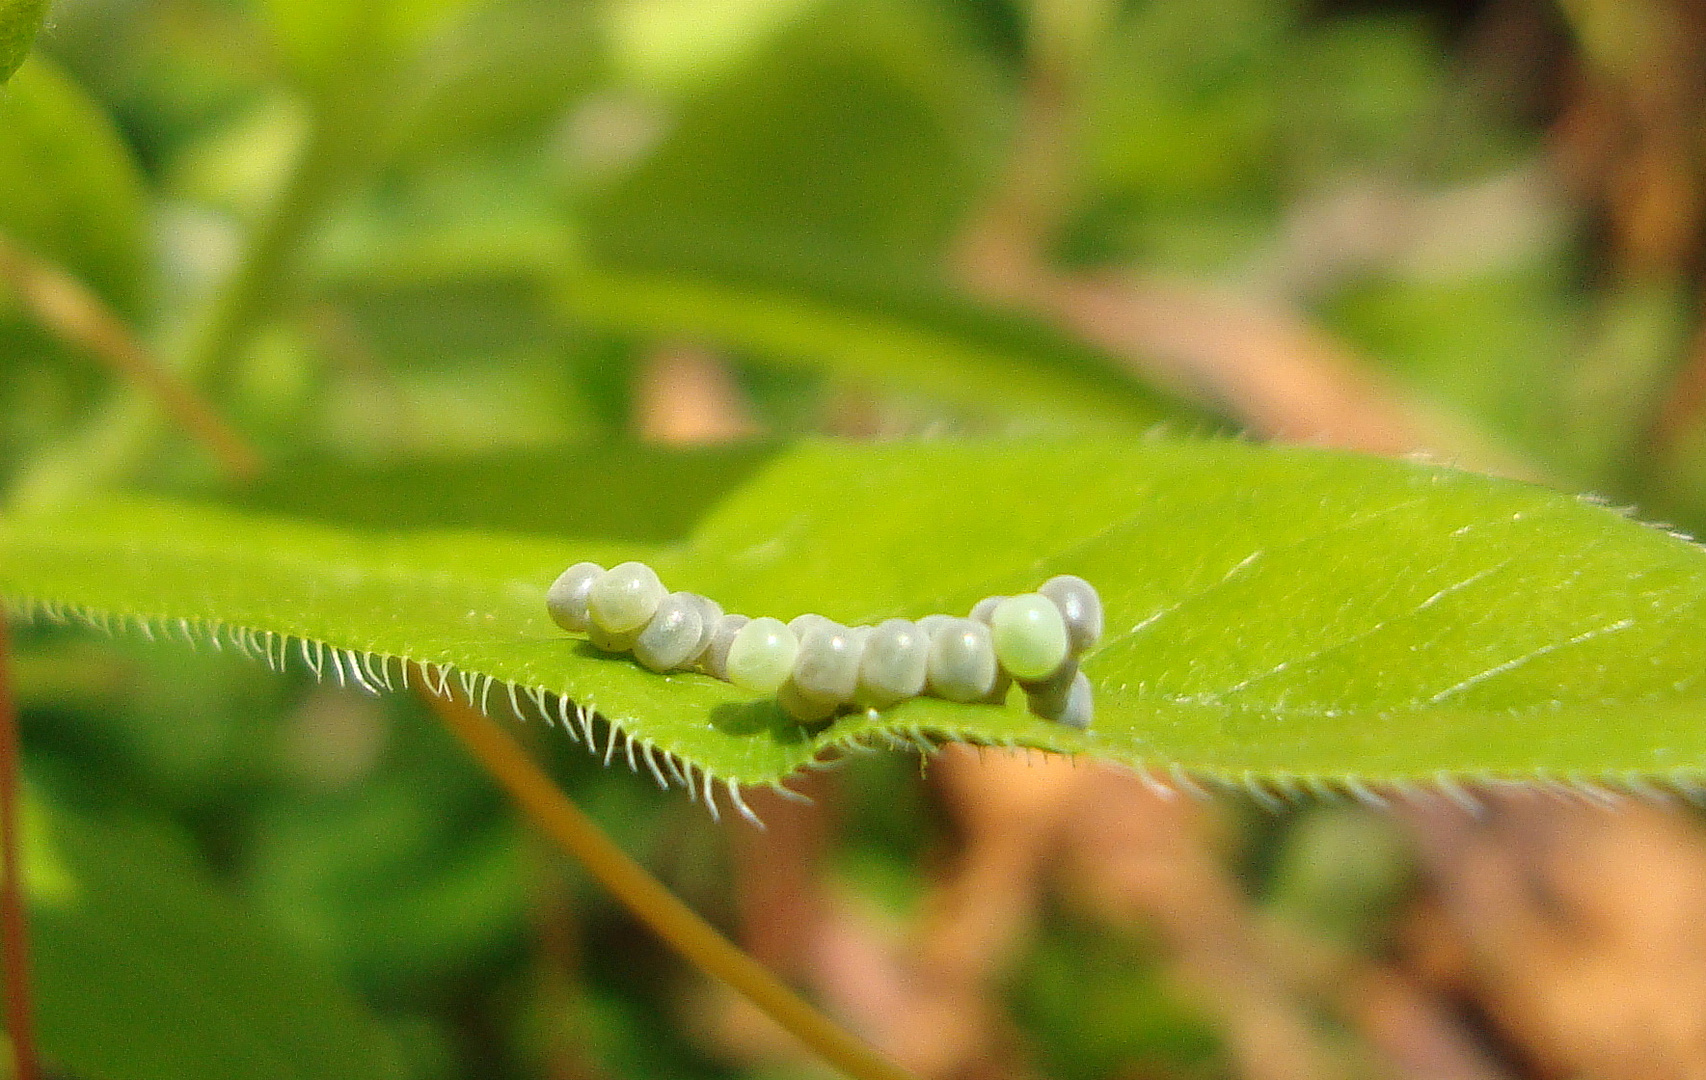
{"points": [[646, 897], [14, 931], [70, 310]]}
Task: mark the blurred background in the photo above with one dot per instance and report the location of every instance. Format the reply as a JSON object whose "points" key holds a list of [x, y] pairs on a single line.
{"points": [[407, 264]]}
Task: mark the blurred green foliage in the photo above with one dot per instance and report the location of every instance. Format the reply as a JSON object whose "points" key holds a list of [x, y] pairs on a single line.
{"points": [[19, 20], [416, 248]]}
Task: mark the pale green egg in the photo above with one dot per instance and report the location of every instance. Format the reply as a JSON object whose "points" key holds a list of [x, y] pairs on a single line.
{"points": [[799, 624], [761, 656], [827, 666], [930, 624], [1029, 635], [804, 707], [962, 661], [671, 639], [612, 643], [715, 659], [1065, 698], [710, 613], [624, 597], [567, 596], [984, 610], [895, 664], [1080, 608]]}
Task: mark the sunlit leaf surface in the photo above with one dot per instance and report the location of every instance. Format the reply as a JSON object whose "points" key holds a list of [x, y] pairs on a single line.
{"points": [[1286, 616]]}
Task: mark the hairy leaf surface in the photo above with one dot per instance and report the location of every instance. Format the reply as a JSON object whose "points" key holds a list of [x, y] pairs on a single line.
{"points": [[1283, 615]]}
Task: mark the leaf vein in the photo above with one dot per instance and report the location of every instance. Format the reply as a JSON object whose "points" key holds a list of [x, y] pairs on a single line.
{"points": [[1533, 654]]}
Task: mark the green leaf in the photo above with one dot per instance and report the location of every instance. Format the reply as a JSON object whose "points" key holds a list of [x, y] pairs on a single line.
{"points": [[330, 44], [902, 337], [69, 189], [802, 210], [668, 44], [19, 21], [1282, 615], [144, 971], [516, 493], [499, 78], [411, 876], [892, 330], [70, 193], [866, 128]]}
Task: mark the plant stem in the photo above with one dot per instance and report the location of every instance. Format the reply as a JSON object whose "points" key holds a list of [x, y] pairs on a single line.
{"points": [[72, 311], [647, 898], [338, 146], [14, 932], [261, 279]]}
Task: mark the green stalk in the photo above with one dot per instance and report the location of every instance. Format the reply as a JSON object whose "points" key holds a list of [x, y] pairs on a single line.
{"points": [[264, 277], [122, 434]]}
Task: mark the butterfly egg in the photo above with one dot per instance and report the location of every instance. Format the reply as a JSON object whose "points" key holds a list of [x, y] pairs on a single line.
{"points": [[895, 664], [1029, 634], [671, 638], [984, 610], [803, 707], [566, 598], [1080, 607], [931, 624], [709, 613], [799, 624], [624, 597], [761, 655], [1056, 683], [962, 663], [827, 667], [1080, 707], [1065, 698], [715, 659], [613, 643], [710, 607]]}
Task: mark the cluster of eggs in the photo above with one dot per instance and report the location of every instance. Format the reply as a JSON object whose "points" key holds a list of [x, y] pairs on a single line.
{"points": [[817, 667]]}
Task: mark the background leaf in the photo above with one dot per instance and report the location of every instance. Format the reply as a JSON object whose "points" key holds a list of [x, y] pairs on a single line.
{"points": [[19, 21], [889, 334], [859, 136], [1272, 613], [145, 970], [515, 492], [73, 192], [70, 193]]}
